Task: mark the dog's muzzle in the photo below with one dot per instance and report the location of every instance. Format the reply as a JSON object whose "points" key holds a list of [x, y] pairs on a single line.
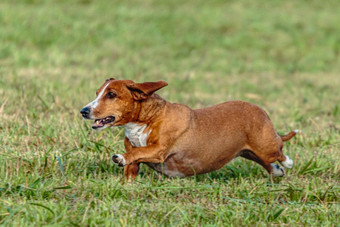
{"points": [[85, 112], [100, 123]]}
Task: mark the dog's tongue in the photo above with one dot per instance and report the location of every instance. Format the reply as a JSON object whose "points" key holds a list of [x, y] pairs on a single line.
{"points": [[97, 124]]}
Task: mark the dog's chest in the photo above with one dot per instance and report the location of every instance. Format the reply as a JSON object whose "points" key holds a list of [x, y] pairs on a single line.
{"points": [[136, 135]]}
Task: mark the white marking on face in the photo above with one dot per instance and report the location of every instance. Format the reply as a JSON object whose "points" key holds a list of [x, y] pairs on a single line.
{"points": [[288, 163], [136, 135], [95, 102], [277, 170]]}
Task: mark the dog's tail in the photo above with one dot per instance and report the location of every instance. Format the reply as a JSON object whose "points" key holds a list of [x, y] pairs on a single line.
{"points": [[289, 135]]}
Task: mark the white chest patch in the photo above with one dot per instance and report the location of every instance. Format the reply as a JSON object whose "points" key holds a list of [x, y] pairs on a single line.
{"points": [[136, 135]]}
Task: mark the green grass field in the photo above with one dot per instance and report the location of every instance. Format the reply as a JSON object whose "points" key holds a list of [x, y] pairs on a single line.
{"points": [[281, 55]]}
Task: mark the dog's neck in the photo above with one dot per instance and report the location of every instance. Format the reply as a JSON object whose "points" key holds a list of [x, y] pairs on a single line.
{"points": [[149, 109], [145, 113]]}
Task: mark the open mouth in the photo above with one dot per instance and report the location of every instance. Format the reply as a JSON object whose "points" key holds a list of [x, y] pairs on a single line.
{"points": [[99, 123]]}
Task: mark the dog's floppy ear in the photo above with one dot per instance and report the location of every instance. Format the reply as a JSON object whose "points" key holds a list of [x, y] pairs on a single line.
{"points": [[142, 91], [109, 79]]}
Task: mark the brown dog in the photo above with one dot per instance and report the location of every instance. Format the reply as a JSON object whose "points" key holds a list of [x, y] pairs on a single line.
{"points": [[178, 141]]}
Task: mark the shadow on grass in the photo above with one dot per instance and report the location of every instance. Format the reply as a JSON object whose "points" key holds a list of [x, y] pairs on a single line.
{"points": [[239, 169]]}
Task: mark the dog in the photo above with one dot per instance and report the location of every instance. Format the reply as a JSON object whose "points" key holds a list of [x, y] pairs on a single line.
{"points": [[178, 141]]}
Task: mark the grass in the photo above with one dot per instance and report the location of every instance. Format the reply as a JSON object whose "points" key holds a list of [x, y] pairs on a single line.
{"points": [[281, 55]]}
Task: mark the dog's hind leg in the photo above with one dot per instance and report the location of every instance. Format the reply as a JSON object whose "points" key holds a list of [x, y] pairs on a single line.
{"points": [[272, 168], [285, 160], [288, 163], [266, 151]]}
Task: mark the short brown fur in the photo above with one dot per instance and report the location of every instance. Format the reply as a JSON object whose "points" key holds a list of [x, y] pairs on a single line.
{"points": [[185, 142]]}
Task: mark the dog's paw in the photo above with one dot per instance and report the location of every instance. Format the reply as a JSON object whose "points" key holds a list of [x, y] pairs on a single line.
{"points": [[119, 159], [277, 171], [288, 163]]}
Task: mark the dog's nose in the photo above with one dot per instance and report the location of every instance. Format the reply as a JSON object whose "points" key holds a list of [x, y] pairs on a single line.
{"points": [[85, 112]]}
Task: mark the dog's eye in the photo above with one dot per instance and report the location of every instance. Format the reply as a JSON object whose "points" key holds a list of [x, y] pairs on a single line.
{"points": [[111, 95]]}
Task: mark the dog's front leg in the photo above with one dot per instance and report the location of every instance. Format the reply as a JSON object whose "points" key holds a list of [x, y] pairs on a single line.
{"points": [[131, 170], [154, 154]]}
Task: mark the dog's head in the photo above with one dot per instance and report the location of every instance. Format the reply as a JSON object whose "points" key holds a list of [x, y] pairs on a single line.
{"points": [[116, 102]]}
